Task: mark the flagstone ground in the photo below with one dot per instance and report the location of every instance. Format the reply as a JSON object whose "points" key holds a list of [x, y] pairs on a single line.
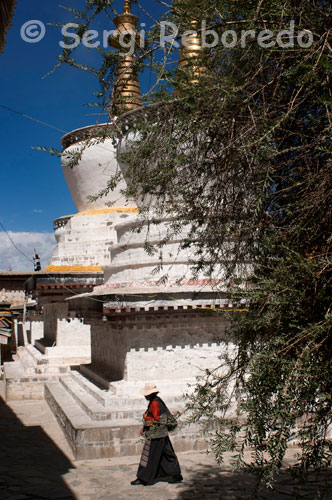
{"points": [[37, 463]]}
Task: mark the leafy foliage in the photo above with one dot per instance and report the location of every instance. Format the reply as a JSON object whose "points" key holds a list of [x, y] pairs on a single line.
{"points": [[243, 159]]}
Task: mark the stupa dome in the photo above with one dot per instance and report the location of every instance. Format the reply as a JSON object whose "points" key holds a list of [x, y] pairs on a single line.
{"points": [[96, 166]]}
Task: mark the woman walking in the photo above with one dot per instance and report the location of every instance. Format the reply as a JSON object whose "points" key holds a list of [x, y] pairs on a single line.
{"points": [[158, 461]]}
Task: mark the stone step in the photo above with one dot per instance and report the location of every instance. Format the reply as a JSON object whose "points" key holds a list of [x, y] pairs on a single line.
{"points": [[13, 369], [25, 360], [69, 351], [62, 355], [91, 407], [89, 438], [60, 358], [94, 409], [95, 378], [35, 355], [52, 370], [122, 402], [31, 366], [100, 395], [21, 385], [30, 356], [106, 397], [105, 438], [40, 345], [124, 391], [76, 413]]}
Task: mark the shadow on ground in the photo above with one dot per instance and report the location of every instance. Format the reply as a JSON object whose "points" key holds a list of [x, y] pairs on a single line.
{"points": [[214, 483], [31, 465]]}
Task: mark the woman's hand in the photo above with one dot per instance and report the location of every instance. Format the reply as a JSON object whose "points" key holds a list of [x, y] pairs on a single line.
{"points": [[141, 431]]}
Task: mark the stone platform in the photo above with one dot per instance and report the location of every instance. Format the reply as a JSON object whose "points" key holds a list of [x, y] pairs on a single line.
{"points": [[26, 375], [31, 369], [64, 354], [99, 423], [64, 341], [100, 407]]}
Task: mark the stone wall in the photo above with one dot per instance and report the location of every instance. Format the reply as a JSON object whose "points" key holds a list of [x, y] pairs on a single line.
{"points": [[18, 332], [67, 339], [52, 313], [15, 297], [72, 332], [158, 346], [35, 330], [167, 358], [108, 350]]}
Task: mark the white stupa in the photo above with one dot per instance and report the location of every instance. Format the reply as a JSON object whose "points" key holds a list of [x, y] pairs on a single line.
{"points": [[84, 238]]}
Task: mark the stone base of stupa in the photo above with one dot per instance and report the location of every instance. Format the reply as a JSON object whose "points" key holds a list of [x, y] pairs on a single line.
{"points": [[100, 407], [99, 423], [147, 331]]}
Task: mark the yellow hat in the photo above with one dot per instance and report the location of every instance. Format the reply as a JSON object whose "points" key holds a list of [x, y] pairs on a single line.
{"points": [[149, 389]]}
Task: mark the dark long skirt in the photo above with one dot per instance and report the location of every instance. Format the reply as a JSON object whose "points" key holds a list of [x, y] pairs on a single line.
{"points": [[158, 461]]}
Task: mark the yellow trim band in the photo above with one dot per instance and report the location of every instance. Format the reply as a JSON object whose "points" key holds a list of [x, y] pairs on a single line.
{"points": [[107, 211], [56, 269]]}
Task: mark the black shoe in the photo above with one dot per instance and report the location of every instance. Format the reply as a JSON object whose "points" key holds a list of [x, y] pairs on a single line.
{"points": [[137, 482], [176, 479]]}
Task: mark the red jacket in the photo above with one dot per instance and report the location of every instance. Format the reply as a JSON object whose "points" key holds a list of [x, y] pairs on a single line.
{"points": [[154, 410]]}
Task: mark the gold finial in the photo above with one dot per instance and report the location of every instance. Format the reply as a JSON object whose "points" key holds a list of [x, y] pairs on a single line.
{"points": [[191, 54], [127, 91], [126, 7]]}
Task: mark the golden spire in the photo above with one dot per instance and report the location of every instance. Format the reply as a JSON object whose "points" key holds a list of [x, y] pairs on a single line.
{"points": [[127, 91], [126, 7], [190, 56]]}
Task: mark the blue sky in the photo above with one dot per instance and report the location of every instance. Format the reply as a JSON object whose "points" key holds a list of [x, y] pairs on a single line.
{"points": [[34, 191]]}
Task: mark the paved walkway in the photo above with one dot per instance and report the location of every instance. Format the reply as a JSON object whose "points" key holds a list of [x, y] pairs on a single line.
{"points": [[36, 463]]}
